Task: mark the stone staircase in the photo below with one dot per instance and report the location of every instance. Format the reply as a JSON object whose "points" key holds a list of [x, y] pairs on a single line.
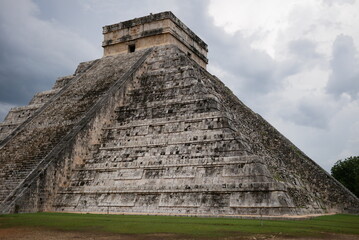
{"points": [[26, 152], [19, 115]]}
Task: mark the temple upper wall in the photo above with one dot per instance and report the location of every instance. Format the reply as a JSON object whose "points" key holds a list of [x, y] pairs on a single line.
{"points": [[153, 30]]}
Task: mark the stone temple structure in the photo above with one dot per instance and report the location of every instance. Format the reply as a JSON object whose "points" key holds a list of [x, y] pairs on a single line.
{"points": [[146, 129]]}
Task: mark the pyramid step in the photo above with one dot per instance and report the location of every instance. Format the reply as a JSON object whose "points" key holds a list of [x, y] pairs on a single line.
{"points": [[45, 96]]}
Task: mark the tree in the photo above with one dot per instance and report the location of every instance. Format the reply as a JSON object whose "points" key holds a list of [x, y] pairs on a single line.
{"points": [[347, 173]]}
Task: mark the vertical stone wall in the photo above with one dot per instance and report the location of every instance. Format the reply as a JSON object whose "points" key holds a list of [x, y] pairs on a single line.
{"points": [[153, 30]]}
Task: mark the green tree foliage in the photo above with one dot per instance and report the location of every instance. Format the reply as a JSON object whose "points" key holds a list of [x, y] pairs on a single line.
{"points": [[347, 172]]}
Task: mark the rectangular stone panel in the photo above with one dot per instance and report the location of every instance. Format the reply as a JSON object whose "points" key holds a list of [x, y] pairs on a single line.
{"points": [[210, 171], [117, 200], [147, 200], [180, 199], [180, 172], [260, 199], [67, 200], [129, 174], [249, 199], [215, 199], [88, 200], [233, 170], [256, 169], [153, 173]]}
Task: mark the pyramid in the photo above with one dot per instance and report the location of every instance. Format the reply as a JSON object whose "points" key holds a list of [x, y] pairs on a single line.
{"points": [[147, 130]]}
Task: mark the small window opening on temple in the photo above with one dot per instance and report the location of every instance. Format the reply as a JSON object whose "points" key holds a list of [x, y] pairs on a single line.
{"points": [[131, 48]]}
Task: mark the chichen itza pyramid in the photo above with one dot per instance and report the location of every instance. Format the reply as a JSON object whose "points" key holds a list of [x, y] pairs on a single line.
{"points": [[147, 130]]}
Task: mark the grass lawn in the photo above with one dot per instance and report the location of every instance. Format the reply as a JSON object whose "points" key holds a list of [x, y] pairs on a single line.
{"points": [[195, 227]]}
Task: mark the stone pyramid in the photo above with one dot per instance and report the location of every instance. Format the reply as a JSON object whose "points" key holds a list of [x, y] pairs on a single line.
{"points": [[147, 130]]}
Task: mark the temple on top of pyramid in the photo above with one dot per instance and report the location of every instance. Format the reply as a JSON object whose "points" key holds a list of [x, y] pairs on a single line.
{"points": [[147, 130], [153, 30]]}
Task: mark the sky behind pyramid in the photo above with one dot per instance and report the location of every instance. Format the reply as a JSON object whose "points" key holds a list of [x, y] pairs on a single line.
{"points": [[294, 62]]}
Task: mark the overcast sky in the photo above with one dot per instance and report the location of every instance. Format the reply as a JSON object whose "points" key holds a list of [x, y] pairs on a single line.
{"points": [[295, 62]]}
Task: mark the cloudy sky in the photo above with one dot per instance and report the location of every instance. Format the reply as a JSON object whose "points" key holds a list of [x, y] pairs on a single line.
{"points": [[295, 62]]}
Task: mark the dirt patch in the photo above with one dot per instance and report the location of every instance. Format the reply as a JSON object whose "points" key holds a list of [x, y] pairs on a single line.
{"points": [[326, 236], [47, 234]]}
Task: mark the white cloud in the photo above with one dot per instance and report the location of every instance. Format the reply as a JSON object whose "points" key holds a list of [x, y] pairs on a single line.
{"points": [[340, 2], [272, 24]]}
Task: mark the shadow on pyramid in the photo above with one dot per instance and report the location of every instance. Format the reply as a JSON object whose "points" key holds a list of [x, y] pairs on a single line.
{"points": [[147, 130]]}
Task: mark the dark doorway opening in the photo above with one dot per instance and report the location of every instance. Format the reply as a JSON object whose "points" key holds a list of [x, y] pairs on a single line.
{"points": [[131, 48]]}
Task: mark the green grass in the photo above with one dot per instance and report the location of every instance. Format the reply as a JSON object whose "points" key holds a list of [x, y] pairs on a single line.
{"points": [[190, 226]]}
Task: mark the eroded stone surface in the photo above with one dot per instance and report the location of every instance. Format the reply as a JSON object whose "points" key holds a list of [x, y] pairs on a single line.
{"points": [[25, 151], [170, 148], [153, 30]]}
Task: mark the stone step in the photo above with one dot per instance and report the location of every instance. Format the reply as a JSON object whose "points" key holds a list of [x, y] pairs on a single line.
{"points": [[62, 81], [18, 115], [222, 187], [193, 117], [200, 131], [155, 162]]}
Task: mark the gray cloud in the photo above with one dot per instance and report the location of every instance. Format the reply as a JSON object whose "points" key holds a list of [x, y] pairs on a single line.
{"points": [[304, 49], [34, 52], [308, 112], [345, 68], [339, 2]]}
